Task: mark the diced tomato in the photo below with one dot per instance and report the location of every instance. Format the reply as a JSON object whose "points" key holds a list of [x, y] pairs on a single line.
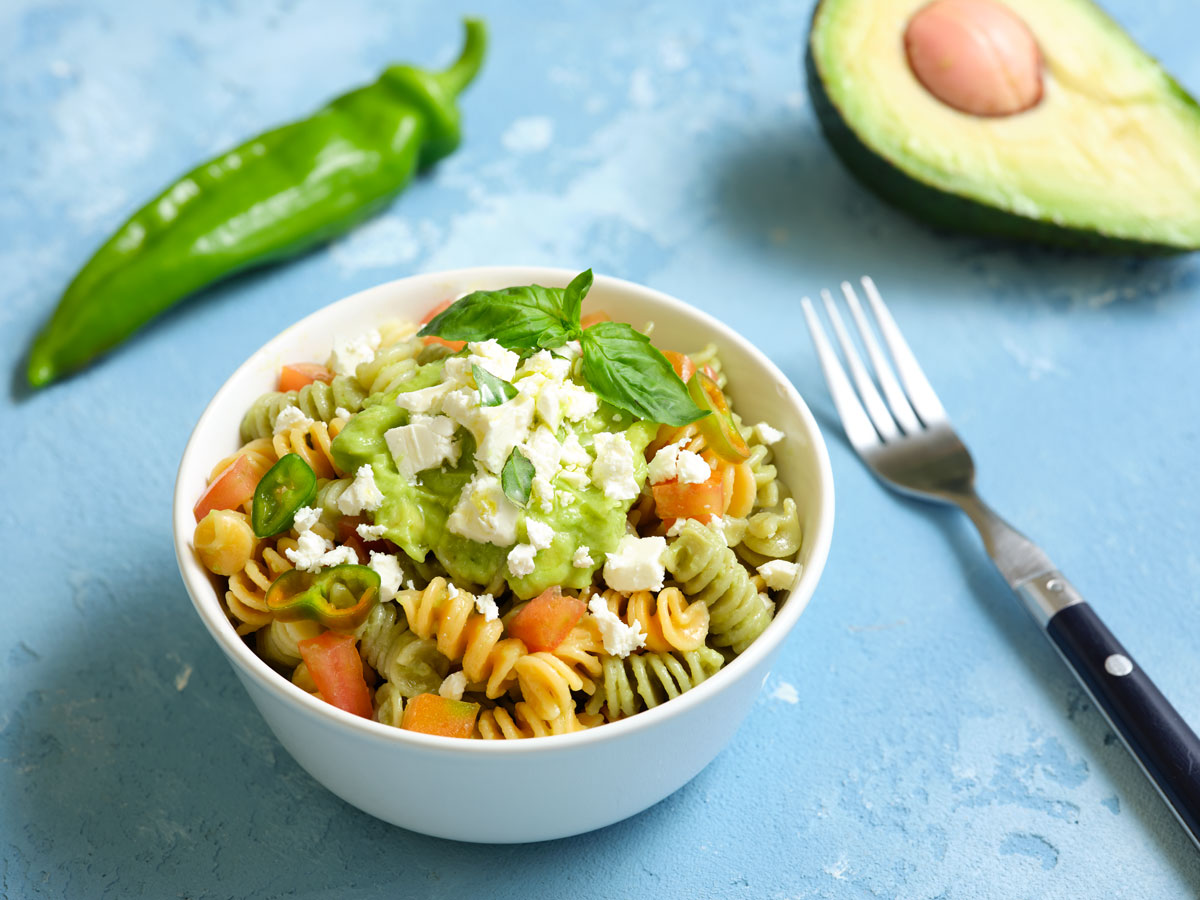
{"points": [[594, 318], [453, 345], [547, 619], [681, 363], [674, 500], [710, 371], [337, 671], [294, 376], [435, 714], [231, 489]]}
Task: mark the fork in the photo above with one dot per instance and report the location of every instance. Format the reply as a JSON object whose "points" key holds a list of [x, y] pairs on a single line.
{"points": [[905, 438]]}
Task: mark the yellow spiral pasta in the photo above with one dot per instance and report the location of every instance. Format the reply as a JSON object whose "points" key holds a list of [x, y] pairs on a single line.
{"points": [[246, 598], [310, 441], [448, 616], [500, 724], [546, 683], [278, 643], [666, 618], [645, 680], [224, 541]]}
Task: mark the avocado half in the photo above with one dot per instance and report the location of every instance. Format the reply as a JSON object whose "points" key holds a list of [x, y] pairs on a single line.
{"points": [[1109, 159]]}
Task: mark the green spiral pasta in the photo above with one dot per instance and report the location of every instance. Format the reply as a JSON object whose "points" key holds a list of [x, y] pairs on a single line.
{"points": [[709, 571], [392, 366], [772, 534], [709, 357], [411, 664], [766, 477], [317, 400], [644, 680]]}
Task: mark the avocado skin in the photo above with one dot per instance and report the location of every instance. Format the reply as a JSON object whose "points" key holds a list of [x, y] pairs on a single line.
{"points": [[944, 209]]}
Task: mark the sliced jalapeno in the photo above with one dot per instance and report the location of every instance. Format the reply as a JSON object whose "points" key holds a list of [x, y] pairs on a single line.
{"points": [[723, 436], [340, 598], [288, 485]]}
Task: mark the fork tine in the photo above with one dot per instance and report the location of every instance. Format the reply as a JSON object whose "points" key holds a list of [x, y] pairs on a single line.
{"points": [[883, 371], [920, 391], [876, 409], [859, 429]]}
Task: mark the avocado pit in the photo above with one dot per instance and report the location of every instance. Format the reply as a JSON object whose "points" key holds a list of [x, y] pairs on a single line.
{"points": [[976, 56]]}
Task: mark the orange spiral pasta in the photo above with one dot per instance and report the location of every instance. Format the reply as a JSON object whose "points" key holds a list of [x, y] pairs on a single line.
{"points": [[667, 619], [449, 617], [499, 724], [310, 440], [246, 598]]}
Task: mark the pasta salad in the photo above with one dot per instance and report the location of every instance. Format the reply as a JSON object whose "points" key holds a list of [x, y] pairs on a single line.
{"points": [[511, 520]]}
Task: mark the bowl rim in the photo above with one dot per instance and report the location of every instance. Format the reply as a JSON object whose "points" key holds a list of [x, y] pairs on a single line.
{"points": [[248, 664]]}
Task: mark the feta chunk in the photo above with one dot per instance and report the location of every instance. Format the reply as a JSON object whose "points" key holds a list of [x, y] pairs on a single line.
{"points": [[548, 365], [520, 559], [425, 442], [310, 550], [767, 434], [362, 494], [540, 534], [339, 556], [342, 413], [543, 450], [636, 565], [582, 558], [577, 401], [497, 429], [483, 513], [573, 453], [349, 355], [306, 517], [673, 463], [371, 532], [619, 639], [453, 686], [494, 358], [779, 574], [387, 567], [692, 468], [485, 605], [612, 470], [288, 418], [425, 399]]}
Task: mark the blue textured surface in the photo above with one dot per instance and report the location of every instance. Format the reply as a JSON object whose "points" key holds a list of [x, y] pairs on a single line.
{"points": [[935, 748]]}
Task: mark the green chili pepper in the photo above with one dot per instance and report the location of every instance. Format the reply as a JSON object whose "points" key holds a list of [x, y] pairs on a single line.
{"points": [[288, 485], [274, 196], [339, 598]]}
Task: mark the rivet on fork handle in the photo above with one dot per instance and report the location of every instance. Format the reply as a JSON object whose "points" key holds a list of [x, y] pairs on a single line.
{"points": [[1046, 595]]}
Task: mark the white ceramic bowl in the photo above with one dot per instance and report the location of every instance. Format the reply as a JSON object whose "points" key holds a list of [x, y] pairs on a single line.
{"points": [[541, 788]]}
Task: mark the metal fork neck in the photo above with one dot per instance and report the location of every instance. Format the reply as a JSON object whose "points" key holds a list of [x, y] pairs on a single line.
{"points": [[1018, 558]]}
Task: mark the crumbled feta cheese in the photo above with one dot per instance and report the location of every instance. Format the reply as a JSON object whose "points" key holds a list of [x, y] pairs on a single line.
{"points": [[543, 492], [577, 401], [451, 591], [779, 574], [540, 534], [767, 434], [425, 399], [387, 567], [520, 559], [673, 463], [485, 605], [371, 532], [425, 442], [306, 517], [339, 556], [547, 364], [483, 513], [619, 639], [348, 355], [612, 470], [453, 686], [362, 494], [342, 413], [288, 418], [573, 453], [636, 565], [549, 405], [572, 350], [543, 450], [309, 552], [565, 498], [582, 558], [494, 358], [497, 429], [574, 478], [692, 468], [676, 527]]}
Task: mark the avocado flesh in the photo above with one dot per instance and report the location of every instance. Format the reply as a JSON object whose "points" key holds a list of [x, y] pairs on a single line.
{"points": [[1109, 159]]}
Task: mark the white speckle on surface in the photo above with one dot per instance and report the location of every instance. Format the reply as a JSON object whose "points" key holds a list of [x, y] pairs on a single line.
{"points": [[838, 869], [529, 134], [786, 692], [181, 680]]}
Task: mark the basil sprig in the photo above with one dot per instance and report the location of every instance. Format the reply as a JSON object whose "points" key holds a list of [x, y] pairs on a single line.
{"points": [[516, 478], [619, 363], [492, 390]]}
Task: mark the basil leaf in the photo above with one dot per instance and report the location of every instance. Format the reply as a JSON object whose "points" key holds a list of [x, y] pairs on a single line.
{"points": [[492, 390], [517, 317], [573, 299], [516, 478], [626, 370]]}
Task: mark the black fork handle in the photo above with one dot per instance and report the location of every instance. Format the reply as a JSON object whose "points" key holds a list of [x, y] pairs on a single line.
{"points": [[1160, 740]]}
